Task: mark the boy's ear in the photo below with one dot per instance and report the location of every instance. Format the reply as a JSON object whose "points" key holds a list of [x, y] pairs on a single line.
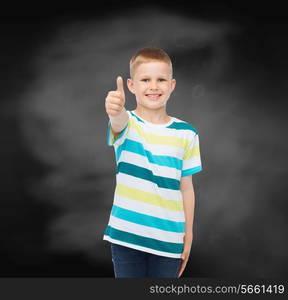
{"points": [[130, 85], [173, 83]]}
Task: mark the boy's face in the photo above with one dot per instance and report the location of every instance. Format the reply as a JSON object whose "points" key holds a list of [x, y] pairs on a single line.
{"points": [[152, 84]]}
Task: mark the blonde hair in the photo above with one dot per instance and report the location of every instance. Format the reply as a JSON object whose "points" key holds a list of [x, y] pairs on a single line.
{"points": [[148, 54]]}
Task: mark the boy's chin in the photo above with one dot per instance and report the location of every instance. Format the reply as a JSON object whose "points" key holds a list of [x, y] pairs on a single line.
{"points": [[153, 101], [152, 105]]}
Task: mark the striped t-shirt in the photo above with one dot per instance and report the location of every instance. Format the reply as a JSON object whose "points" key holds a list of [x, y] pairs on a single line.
{"points": [[147, 212]]}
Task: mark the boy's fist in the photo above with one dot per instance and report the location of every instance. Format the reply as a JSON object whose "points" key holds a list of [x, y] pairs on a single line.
{"points": [[115, 100]]}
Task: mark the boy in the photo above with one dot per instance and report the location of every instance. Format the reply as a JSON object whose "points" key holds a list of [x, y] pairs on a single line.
{"points": [[151, 222]]}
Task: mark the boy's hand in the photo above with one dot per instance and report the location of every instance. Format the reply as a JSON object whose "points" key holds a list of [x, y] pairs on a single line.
{"points": [[186, 252], [115, 100]]}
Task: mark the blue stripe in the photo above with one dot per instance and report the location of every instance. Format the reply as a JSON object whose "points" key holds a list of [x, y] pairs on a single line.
{"points": [[191, 171], [150, 221], [161, 160]]}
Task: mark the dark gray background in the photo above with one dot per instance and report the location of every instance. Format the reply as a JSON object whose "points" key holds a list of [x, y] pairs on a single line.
{"points": [[58, 174]]}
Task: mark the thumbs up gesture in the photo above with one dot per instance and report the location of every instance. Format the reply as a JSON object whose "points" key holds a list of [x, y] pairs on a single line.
{"points": [[115, 100]]}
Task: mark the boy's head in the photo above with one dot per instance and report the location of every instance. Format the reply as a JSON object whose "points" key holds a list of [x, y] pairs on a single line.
{"points": [[149, 54], [151, 75]]}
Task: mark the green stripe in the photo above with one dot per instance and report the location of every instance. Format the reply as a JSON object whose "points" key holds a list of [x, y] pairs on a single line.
{"points": [[174, 125], [135, 239], [136, 117], [133, 170], [182, 125]]}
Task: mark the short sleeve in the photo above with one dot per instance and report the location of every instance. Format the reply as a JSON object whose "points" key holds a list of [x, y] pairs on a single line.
{"points": [[192, 158], [116, 139]]}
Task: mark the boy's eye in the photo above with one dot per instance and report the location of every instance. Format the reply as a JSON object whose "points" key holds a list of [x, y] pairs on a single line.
{"points": [[161, 79]]}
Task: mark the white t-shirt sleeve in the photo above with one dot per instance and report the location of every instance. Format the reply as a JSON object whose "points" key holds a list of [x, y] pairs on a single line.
{"points": [[192, 158]]}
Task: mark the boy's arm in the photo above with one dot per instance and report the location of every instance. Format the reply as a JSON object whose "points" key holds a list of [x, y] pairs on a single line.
{"points": [[119, 122], [188, 196], [187, 190], [115, 108]]}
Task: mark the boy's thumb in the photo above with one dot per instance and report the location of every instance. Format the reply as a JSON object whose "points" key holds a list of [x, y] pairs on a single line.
{"points": [[120, 84]]}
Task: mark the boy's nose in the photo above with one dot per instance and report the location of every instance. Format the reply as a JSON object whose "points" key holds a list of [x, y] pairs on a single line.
{"points": [[153, 86]]}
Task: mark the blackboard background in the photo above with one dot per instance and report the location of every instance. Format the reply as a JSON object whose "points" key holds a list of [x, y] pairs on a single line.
{"points": [[241, 202]]}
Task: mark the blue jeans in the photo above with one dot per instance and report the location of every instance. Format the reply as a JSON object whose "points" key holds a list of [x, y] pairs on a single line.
{"points": [[128, 262]]}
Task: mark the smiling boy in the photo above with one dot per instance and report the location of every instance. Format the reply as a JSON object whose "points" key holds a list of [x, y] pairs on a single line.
{"points": [[151, 222]]}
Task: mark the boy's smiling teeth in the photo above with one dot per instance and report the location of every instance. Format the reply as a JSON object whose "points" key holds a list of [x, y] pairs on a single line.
{"points": [[153, 96]]}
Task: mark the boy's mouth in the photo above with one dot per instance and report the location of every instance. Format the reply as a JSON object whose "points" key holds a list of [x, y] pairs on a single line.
{"points": [[153, 96]]}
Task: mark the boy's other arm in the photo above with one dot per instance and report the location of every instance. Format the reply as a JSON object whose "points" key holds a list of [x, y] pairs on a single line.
{"points": [[115, 107], [187, 190]]}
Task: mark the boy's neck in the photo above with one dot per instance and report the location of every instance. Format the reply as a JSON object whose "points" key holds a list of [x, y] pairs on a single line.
{"points": [[153, 116]]}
